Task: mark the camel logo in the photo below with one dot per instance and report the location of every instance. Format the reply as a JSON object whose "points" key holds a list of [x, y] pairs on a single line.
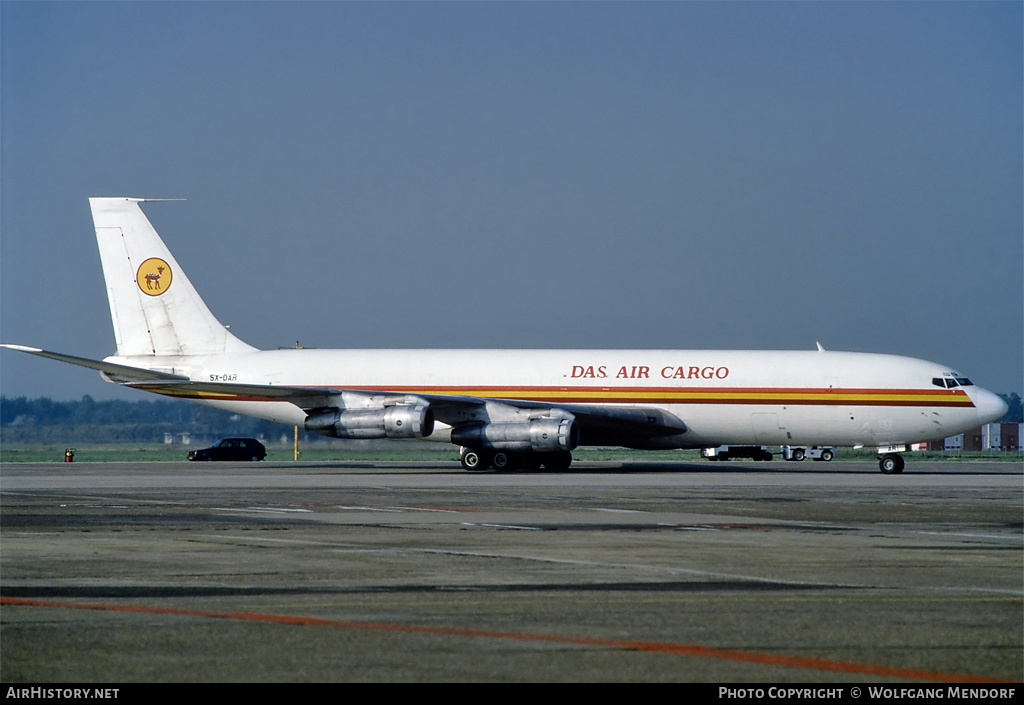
{"points": [[154, 277]]}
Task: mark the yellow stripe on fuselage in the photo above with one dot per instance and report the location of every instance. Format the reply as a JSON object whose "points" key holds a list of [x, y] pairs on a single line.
{"points": [[652, 395]]}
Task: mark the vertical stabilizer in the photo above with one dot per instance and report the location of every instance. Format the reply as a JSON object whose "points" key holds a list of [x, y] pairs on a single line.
{"points": [[153, 306]]}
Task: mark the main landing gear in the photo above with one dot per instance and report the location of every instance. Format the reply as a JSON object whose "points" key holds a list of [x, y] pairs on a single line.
{"points": [[478, 460], [890, 463]]}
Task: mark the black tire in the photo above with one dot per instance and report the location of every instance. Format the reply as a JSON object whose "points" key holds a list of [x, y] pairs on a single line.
{"points": [[826, 456], [473, 461], [891, 464], [798, 454]]}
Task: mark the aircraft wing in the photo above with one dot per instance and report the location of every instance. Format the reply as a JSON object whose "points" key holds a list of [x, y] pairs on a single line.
{"points": [[611, 425], [630, 427]]}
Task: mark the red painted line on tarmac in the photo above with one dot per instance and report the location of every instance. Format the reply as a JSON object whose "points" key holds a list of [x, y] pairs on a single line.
{"points": [[647, 646]]}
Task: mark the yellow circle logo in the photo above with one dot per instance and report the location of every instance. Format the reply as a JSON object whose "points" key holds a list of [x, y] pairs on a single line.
{"points": [[154, 277]]}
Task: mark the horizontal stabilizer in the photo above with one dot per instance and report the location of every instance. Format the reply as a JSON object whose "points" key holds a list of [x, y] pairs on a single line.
{"points": [[118, 373]]}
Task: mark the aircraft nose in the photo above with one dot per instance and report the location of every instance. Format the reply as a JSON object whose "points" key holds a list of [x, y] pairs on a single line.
{"points": [[990, 406]]}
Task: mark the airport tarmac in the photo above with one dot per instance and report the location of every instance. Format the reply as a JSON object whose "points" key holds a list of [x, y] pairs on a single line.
{"points": [[360, 571]]}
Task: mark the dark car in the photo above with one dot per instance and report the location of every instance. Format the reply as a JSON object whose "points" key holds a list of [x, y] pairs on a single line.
{"points": [[231, 449]]}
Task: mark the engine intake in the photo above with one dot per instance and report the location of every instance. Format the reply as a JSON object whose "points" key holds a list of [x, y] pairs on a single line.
{"points": [[391, 422], [539, 435]]}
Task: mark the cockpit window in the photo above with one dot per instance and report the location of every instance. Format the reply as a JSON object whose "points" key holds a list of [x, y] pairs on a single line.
{"points": [[951, 381]]}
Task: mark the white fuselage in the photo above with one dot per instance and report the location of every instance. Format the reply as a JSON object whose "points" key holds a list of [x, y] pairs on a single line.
{"points": [[723, 397]]}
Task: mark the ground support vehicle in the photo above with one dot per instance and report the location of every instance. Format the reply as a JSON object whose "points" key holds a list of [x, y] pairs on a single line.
{"points": [[823, 453], [727, 452]]}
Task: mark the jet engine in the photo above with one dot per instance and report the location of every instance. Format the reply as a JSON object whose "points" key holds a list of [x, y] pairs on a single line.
{"points": [[542, 435], [416, 421]]}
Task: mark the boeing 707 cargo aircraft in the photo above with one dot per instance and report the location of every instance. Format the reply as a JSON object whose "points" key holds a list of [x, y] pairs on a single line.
{"points": [[515, 408]]}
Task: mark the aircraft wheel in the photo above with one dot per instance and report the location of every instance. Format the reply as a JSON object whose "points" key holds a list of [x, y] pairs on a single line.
{"points": [[501, 461], [473, 460], [891, 463], [798, 454], [826, 456]]}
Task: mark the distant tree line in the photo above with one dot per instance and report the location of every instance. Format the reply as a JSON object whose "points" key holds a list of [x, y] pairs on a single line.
{"points": [[1016, 411], [40, 420]]}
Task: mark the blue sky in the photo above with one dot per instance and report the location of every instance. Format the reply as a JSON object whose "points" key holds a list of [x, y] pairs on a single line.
{"points": [[566, 175]]}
